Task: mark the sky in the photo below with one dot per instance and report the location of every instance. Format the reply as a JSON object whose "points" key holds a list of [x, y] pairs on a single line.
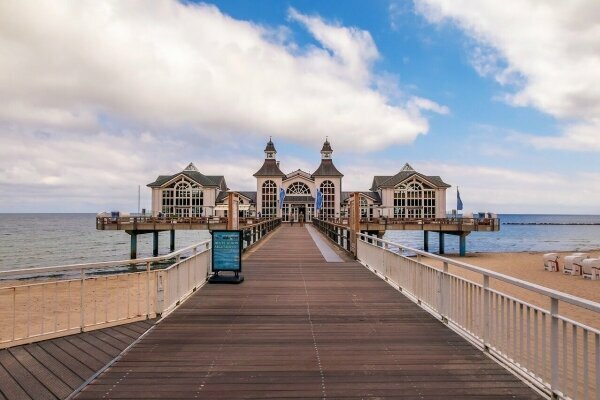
{"points": [[500, 99]]}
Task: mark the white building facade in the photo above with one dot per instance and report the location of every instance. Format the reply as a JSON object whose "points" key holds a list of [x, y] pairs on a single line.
{"points": [[406, 195]]}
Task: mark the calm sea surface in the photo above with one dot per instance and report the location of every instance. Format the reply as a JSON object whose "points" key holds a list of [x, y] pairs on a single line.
{"points": [[519, 233], [32, 240]]}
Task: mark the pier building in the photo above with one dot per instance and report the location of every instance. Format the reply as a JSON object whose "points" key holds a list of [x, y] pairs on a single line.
{"points": [[408, 200], [408, 194]]}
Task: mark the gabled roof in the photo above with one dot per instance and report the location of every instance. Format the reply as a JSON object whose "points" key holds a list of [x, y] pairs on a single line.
{"points": [[269, 168], [406, 173], [326, 168], [222, 197], [250, 196], [373, 195], [299, 172], [220, 181], [378, 181], [203, 180]]}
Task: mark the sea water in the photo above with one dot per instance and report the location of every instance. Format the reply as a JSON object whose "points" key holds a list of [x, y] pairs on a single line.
{"points": [[34, 240], [518, 233]]}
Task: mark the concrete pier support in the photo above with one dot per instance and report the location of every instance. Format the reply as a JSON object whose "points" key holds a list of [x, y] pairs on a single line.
{"points": [[172, 241], [425, 240], [155, 243], [442, 244], [463, 245], [133, 254]]}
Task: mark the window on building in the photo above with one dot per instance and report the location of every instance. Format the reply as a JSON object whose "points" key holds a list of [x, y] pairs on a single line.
{"points": [[298, 188], [269, 199], [414, 200], [364, 208], [182, 199], [328, 190]]}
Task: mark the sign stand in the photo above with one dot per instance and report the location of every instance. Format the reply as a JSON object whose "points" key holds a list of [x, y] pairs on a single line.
{"points": [[226, 256]]}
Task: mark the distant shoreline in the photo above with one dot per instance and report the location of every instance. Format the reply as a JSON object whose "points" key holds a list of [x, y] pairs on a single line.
{"points": [[553, 223]]}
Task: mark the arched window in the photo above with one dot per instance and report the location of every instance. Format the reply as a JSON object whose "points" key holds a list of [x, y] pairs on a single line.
{"points": [[269, 199], [298, 188], [182, 199], [414, 200], [328, 190]]}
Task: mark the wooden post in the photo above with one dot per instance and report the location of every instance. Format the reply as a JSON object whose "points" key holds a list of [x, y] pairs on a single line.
{"points": [[229, 211], [233, 211], [354, 221]]}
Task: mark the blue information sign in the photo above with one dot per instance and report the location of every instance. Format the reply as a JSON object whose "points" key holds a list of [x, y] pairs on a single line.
{"points": [[226, 251]]}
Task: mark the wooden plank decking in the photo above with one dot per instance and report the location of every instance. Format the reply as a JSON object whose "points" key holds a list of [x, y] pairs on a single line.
{"points": [[53, 369], [300, 327]]}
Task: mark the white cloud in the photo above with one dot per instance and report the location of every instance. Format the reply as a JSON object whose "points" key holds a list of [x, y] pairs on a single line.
{"points": [[167, 65], [548, 51]]}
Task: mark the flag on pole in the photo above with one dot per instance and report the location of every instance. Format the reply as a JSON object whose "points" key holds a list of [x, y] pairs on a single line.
{"points": [[319, 200], [459, 203], [281, 197]]}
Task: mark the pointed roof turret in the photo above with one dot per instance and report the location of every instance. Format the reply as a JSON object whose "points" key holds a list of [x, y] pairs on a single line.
{"points": [[270, 147], [270, 167], [327, 146], [327, 168]]}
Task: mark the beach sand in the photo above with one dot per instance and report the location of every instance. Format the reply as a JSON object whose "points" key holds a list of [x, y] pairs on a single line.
{"points": [[530, 267]]}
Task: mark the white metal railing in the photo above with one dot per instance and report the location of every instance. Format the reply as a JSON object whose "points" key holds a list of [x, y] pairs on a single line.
{"points": [[95, 295], [556, 354]]}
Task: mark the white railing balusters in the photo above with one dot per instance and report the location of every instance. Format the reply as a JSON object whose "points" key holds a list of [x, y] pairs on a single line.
{"points": [[38, 309], [597, 341], [477, 311]]}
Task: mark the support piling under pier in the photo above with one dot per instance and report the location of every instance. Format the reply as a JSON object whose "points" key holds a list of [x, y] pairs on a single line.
{"points": [[172, 241], [426, 240], [133, 254], [442, 244], [155, 243]]}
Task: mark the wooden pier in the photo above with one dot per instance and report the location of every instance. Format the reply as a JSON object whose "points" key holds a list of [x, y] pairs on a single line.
{"points": [[253, 229], [302, 327]]}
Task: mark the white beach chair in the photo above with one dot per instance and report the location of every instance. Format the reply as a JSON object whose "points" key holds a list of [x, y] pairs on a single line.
{"points": [[591, 268], [573, 263], [551, 262]]}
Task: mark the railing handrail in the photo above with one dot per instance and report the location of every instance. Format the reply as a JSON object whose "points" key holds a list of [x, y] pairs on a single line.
{"points": [[102, 264], [567, 298]]}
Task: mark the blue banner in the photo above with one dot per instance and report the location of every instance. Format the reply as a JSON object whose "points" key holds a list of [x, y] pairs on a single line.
{"points": [[319, 200], [281, 197], [459, 203], [226, 251]]}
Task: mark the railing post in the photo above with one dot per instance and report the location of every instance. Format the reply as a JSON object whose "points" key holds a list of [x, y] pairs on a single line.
{"points": [[443, 288], [147, 290], [554, 345], [81, 300], [486, 311]]}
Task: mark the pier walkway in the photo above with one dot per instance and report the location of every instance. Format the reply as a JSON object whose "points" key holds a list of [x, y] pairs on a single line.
{"points": [[302, 327]]}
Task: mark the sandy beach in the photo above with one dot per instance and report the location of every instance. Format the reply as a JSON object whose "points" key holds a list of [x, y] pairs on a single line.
{"points": [[529, 267]]}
